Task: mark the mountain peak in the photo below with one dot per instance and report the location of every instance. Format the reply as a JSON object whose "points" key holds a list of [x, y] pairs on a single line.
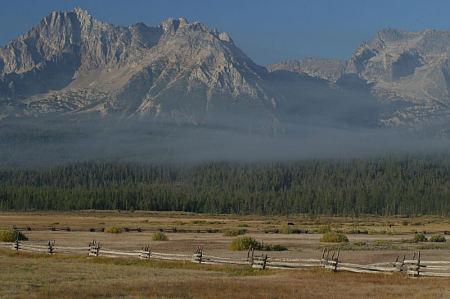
{"points": [[391, 35], [225, 37], [80, 12]]}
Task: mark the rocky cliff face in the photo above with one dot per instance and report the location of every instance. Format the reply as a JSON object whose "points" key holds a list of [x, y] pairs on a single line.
{"points": [[408, 72], [410, 69], [320, 68], [71, 64]]}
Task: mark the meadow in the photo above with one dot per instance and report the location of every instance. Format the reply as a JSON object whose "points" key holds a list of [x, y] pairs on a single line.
{"points": [[371, 239]]}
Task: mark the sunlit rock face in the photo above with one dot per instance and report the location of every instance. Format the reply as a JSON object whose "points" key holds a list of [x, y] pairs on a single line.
{"points": [[179, 71]]}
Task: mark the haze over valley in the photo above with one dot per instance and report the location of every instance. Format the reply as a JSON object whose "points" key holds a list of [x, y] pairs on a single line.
{"points": [[74, 87]]}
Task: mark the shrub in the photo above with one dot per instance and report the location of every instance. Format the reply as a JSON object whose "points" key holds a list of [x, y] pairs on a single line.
{"points": [[244, 243], [405, 223], [334, 237], [420, 238], [159, 236], [437, 238], [243, 225], [289, 230], [113, 230], [234, 232], [11, 235], [323, 229], [198, 222], [274, 247]]}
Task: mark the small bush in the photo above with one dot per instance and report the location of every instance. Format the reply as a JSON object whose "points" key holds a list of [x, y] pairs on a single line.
{"points": [[323, 229], [243, 225], [420, 238], [159, 236], [244, 243], [382, 242], [405, 223], [437, 238], [274, 247], [113, 230], [198, 222], [11, 235], [234, 232], [334, 237], [289, 230]]}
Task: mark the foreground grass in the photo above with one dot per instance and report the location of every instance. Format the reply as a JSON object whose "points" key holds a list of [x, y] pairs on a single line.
{"points": [[402, 245], [40, 276]]}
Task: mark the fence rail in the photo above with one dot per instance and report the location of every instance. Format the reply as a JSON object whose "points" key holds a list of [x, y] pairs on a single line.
{"points": [[415, 267]]}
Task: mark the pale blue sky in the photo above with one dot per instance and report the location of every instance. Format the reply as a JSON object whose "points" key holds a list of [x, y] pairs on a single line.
{"points": [[267, 30]]}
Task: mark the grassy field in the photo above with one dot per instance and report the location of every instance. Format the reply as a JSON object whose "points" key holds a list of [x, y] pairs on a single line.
{"points": [[181, 220], [62, 276], [35, 276]]}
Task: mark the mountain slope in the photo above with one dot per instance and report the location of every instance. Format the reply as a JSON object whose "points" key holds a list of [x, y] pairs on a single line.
{"points": [[411, 70], [408, 73], [71, 62], [73, 66], [321, 68]]}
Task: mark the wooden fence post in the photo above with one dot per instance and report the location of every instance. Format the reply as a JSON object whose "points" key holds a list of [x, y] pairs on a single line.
{"points": [[16, 245], [50, 247], [413, 268], [264, 263], [330, 263], [94, 248], [399, 265], [260, 262], [322, 260], [325, 258], [145, 252], [418, 264], [251, 257], [336, 261], [198, 255]]}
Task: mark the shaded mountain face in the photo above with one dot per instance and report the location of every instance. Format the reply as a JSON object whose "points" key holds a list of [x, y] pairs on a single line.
{"points": [[327, 69], [407, 72], [410, 69]]}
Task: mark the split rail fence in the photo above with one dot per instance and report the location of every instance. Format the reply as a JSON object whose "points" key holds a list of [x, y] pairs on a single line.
{"points": [[415, 267]]}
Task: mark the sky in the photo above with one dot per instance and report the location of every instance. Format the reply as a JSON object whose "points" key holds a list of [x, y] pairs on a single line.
{"points": [[268, 31]]}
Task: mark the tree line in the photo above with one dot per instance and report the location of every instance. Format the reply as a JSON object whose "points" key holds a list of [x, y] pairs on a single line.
{"points": [[389, 185]]}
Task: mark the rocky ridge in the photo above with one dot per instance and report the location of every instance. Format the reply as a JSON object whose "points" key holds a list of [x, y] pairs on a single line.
{"points": [[73, 64], [407, 70], [138, 70]]}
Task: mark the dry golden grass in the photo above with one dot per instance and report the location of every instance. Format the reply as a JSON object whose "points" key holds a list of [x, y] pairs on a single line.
{"points": [[36, 276], [192, 221], [390, 230]]}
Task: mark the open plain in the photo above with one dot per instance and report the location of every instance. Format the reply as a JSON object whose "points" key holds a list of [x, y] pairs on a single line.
{"points": [[372, 239]]}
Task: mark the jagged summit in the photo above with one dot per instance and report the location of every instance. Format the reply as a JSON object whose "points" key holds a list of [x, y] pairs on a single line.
{"points": [[139, 70], [81, 13], [70, 63]]}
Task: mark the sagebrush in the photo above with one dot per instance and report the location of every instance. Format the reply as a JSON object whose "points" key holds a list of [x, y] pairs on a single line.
{"points": [[11, 235]]}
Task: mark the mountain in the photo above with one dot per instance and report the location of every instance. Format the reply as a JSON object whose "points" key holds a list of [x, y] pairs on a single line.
{"points": [[72, 63], [408, 73], [411, 69], [327, 69], [71, 67]]}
